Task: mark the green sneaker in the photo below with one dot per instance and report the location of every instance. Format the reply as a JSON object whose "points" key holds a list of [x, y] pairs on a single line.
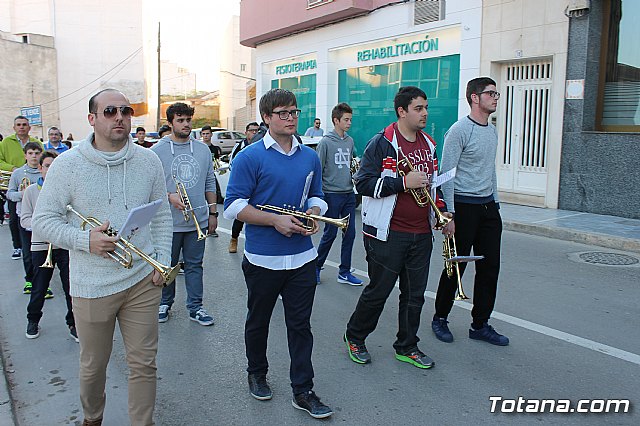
{"points": [[48, 294], [27, 288], [417, 358]]}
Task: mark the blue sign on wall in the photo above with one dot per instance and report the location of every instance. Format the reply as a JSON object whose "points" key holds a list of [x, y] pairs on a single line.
{"points": [[33, 114]]}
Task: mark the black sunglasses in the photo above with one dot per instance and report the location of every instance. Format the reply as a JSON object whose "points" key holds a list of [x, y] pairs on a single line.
{"points": [[111, 111]]}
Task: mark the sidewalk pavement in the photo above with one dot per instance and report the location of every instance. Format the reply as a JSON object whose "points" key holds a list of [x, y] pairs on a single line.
{"points": [[606, 231]]}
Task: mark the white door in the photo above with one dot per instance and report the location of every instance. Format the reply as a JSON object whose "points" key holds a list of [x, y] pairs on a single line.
{"points": [[523, 127]]}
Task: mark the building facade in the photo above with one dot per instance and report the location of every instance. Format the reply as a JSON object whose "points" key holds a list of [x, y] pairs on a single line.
{"points": [[362, 52]]}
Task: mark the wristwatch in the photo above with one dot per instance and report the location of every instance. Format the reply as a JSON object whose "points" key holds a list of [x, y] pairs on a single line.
{"points": [[213, 214]]}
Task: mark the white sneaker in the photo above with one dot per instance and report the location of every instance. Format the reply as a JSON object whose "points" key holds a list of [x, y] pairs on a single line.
{"points": [[17, 254], [163, 313]]}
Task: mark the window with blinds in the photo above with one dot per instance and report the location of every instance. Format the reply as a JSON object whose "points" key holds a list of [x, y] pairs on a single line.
{"points": [[426, 11]]}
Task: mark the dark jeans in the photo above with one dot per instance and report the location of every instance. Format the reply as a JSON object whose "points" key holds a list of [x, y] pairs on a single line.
{"points": [[25, 239], [340, 205], [236, 228], [14, 225], [192, 255], [403, 255], [42, 279], [478, 226], [2, 201], [298, 288]]}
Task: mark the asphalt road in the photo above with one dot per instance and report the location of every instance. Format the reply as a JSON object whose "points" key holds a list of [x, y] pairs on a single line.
{"points": [[573, 328]]}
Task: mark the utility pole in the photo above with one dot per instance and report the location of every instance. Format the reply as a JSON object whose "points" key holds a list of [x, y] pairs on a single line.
{"points": [[159, 82]]}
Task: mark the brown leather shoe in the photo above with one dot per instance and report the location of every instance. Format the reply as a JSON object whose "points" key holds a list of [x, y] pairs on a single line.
{"points": [[233, 245], [92, 422]]}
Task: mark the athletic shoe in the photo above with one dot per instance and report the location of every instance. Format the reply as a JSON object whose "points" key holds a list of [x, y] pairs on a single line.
{"points": [[33, 330], [488, 334], [17, 254], [27, 288], [417, 358], [309, 402], [74, 333], [348, 278], [163, 313], [258, 387], [357, 352], [214, 234], [201, 317], [441, 329], [48, 294]]}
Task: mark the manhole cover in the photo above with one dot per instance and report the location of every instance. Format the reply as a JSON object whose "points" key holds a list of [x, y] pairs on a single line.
{"points": [[602, 258]]}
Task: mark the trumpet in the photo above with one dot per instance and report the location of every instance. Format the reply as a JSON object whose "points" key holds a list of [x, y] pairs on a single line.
{"points": [[5, 177], [48, 262], [188, 213], [340, 223], [449, 251], [124, 248]]}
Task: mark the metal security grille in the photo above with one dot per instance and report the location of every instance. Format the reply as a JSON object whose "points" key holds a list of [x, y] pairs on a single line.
{"points": [[524, 126], [428, 11]]}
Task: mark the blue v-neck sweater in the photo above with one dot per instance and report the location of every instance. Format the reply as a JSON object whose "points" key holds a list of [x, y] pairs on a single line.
{"points": [[266, 176]]}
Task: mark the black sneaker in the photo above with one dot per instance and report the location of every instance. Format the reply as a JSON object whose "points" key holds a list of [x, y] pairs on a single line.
{"points": [[259, 387], [488, 334], [33, 330], [309, 402], [417, 358], [357, 352], [74, 333], [441, 329]]}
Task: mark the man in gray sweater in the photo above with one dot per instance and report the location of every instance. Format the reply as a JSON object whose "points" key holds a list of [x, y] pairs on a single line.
{"points": [[189, 162], [472, 197], [102, 178], [336, 151]]}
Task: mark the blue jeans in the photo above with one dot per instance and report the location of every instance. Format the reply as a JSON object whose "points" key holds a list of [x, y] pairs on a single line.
{"points": [[192, 255], [340, 205]]}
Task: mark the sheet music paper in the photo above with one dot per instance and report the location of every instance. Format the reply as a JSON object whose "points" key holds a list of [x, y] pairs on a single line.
{"points": [[305, 191], [445, 177], [139, 217], [461, 259]]}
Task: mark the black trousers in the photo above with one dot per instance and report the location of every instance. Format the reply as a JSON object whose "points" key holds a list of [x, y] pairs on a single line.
{"points": [[14, 225], [236, 228], [298, 288], [25, 238], [42, 279], [403, 255], [478, 226]]}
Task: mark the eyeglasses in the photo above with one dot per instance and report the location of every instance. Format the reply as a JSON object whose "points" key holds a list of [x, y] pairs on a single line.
{"points": [[111, 111], [284, 115], [495, 95], [255, 130]]}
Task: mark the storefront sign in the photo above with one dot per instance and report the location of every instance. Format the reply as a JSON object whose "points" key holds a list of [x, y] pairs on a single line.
{"points": [[296, 67], [400, 49], [33, 114]]}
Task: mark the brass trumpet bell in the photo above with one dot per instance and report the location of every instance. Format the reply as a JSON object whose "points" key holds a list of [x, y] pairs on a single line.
{"points": [[189, 212]]}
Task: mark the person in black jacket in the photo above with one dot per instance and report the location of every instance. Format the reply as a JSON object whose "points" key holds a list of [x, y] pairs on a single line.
{"points": [[397, 231]]}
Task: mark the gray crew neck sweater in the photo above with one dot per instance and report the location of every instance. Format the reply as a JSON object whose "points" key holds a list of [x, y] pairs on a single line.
{"points": [[471, 148]]}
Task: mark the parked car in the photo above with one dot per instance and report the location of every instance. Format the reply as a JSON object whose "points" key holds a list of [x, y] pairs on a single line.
{"points": [[226, 140], [195, 133]]}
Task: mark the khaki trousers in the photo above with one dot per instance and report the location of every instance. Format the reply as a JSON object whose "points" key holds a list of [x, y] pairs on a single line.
{"points": [[137, 312]]}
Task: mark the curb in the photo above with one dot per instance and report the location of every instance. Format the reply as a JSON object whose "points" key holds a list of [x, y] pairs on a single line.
{"points": [[576, 236], [7, 415]]}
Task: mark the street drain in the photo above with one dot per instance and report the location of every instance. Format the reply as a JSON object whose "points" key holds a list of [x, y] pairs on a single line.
{"points": [[603, 258]]}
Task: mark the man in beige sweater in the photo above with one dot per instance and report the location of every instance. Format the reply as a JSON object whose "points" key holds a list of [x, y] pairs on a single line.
{"points": [[102, 178]]}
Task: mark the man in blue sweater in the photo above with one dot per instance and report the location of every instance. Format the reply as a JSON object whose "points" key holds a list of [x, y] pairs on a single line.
{"points": [[279, 257]]}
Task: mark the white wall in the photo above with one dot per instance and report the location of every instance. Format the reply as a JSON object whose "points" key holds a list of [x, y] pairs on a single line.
{"points": [[385, 23], [233, 88]]}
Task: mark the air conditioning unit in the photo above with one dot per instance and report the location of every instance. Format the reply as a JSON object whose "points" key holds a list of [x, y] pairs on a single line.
{"points": [[425, 11]]}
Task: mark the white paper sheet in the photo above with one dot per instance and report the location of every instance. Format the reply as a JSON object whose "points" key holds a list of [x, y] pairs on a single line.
{"points": [[445, 177], [138, 218]]}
